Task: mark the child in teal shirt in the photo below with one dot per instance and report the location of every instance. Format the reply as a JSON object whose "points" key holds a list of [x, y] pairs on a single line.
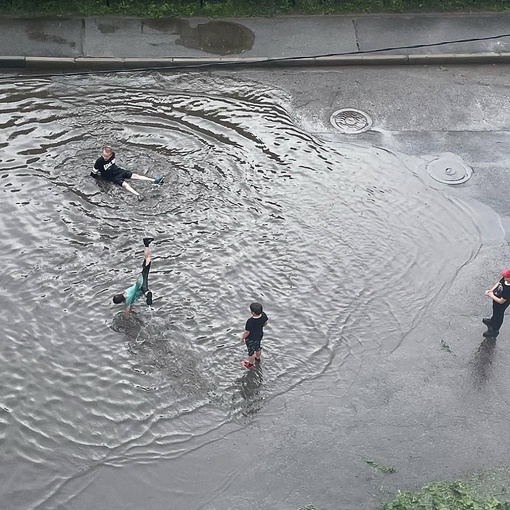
{"points": [[141, 286]]}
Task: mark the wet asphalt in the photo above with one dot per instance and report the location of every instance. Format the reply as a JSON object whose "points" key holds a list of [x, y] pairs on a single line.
{"points": [[438, 409]]}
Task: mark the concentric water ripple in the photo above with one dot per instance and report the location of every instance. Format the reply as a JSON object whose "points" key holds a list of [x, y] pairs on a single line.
{"points": [[344, 245]]}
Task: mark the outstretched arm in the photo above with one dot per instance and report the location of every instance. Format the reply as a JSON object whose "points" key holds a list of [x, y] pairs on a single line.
{"points": [[499, 300]]}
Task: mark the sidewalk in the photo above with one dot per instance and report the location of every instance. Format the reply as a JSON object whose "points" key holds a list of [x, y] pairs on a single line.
{"points": [[115, 42]]}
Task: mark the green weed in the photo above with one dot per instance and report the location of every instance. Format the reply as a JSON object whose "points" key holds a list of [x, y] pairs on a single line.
{"points": [[446, 496], [446, 347], [380, 467]]}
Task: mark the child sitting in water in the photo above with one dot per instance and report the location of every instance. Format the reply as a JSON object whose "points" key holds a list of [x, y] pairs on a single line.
{"points": [[106, 168]]}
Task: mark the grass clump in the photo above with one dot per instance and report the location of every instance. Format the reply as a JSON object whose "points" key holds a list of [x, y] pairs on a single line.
{"points": [[446, 496], [446, 347], [380, 467]]}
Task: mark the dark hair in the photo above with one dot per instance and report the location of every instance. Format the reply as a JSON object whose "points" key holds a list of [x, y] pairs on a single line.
{"points": [[256, 308], [119, 298]]}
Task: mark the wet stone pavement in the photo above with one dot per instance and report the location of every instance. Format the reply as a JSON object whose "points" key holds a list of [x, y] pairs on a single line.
{"points": [[285, 36]]}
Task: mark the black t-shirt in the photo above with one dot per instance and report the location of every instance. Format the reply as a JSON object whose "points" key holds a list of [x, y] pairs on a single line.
{"points": [[254, 326], [106, 166], [502, 290]]}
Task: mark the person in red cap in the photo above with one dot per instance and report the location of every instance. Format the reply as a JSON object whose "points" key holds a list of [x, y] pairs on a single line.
{"points": [[500, 295]]}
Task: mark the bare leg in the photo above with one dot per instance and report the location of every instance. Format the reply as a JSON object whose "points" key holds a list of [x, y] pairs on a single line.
{"points": [[147, 255], [250, 362], [258, 354], [139, 177], [126, 186]]}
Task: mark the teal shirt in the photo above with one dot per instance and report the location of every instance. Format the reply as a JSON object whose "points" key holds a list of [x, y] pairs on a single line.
{"points": [[135, 291]]}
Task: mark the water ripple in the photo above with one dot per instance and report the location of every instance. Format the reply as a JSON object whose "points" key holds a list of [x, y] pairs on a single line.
{"points": [[345, 246]]}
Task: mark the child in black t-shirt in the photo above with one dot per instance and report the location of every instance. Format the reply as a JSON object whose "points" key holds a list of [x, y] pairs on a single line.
{"points": [[500, 295], [106, 168], [253, 333]]}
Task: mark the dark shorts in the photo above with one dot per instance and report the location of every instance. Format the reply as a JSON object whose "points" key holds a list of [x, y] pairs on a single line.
{"points": [[117, 175], [253, 346]]}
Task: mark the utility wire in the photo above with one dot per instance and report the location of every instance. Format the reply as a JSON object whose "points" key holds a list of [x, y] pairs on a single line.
{"points": [[241, 63]]}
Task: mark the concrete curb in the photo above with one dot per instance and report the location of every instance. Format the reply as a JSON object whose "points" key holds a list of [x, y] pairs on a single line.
{"points": [[113, 64]]}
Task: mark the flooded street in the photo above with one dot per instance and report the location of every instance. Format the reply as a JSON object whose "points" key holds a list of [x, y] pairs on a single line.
{"points": [[344, 241]]}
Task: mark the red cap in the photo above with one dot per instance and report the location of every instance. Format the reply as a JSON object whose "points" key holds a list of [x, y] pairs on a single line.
{"points": [[505, 273]]}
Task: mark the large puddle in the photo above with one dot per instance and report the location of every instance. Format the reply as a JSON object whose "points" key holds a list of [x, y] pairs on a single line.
{"points": [[344, 245]]}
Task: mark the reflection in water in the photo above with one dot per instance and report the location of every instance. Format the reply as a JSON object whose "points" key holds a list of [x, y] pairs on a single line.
{"points": [[131, 326], [216, 37], [344, 245], [248, 392], [482, 361]]}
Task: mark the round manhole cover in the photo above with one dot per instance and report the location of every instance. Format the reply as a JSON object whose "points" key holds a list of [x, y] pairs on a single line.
{"points": [[351, 121], [449, 171]]}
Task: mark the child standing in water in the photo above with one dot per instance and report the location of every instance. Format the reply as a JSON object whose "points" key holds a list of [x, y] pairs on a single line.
{"points": [[253, 333], [500, 295]]}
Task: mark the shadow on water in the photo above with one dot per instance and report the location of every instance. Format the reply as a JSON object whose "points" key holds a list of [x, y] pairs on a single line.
{"points": [[247, 399], [161, 352], [482, 362]]}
